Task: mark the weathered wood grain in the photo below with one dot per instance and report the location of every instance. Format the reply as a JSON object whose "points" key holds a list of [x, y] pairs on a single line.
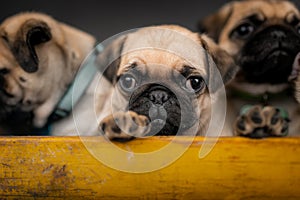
{"points": [[237, 168]]}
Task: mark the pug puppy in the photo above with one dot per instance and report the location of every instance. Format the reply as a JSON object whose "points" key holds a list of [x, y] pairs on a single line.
{"points": [[39, 58], [160, 79], [263, 37]]}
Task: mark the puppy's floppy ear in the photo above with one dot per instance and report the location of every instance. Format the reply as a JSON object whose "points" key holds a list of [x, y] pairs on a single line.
{"points": [[213, 24], [219, 61], [110, 58], [32, 32]]}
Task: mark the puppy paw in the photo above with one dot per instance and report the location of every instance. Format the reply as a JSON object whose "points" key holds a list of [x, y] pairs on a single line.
{"points": [[124, 126], [259, 122]]}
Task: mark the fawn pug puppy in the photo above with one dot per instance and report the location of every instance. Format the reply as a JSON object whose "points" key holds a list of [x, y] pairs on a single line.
{"points": [[160, 78], [39, 59], [263, 36]]}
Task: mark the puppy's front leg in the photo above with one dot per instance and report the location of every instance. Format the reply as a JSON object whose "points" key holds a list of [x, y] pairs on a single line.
{"points": [[124, 126], [42, 113]]}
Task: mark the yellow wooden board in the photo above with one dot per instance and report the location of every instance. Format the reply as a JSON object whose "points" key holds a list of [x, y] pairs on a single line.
{"points": [[237, 168]]}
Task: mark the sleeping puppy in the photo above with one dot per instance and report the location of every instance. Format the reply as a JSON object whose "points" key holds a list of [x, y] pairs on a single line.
{"points": [[161, 77], [39, 59], [263, 36]]}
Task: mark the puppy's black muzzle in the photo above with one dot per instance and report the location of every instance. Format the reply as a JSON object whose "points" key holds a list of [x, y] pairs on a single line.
{"points": [[269, 55], [163, 108]]}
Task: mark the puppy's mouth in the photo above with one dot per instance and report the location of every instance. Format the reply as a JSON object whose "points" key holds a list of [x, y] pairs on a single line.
{"points": [[161, 106], [268, 56]]}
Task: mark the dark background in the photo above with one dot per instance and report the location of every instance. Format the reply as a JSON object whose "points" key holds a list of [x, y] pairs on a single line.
{"points": [[106, 18]]}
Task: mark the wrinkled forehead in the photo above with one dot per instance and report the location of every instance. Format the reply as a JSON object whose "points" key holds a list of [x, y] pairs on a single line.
{"points": [[153, 63], [164, 47], [263, 8]]}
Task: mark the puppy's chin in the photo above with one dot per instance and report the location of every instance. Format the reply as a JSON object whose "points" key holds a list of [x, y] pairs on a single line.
{"points": [[269, 55]]}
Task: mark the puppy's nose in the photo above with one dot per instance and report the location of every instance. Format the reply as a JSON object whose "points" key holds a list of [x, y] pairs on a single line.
{"points": [[158, 96], [278, 35]]}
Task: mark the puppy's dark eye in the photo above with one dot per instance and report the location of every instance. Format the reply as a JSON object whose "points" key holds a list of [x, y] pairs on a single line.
{"points": [[243, 31], [195, 84], [128, 83]]}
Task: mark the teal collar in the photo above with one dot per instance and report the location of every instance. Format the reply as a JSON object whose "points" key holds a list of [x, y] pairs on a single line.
{"points": [[82, 79], [75, 91]]}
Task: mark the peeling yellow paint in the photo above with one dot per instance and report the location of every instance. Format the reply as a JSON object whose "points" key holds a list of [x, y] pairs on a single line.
{"points": [[237, 168]]}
